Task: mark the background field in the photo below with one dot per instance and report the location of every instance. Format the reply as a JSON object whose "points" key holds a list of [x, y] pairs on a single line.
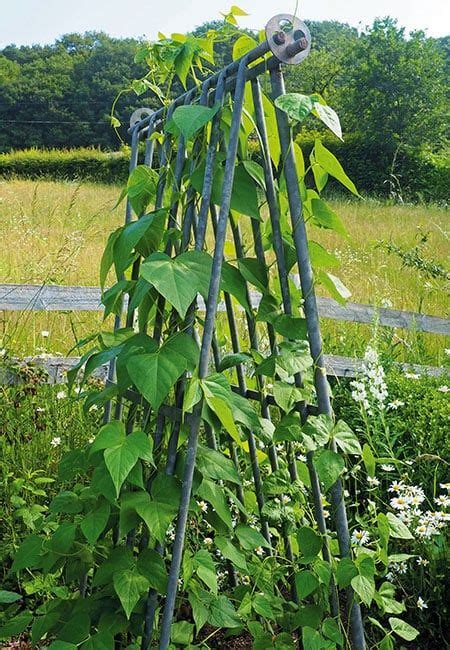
{"points": [[54, 232]]}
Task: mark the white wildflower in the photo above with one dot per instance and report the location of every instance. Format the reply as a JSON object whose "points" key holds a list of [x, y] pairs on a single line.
{"points": [[203, 506], [442, 500], [61, 394], [444, 486], [412, 375], [259, 550], [45, 334], [421, 561], [388, 468], [326, 514], [40, 409], [360, 537], [399, 503], [396, 486], [2, 352], [395, 404], [421, 604], [301, 458], [443, 389], [373, 481], [208, 541], [447, 351], [91, 440], [285, 499], [56, 441]]}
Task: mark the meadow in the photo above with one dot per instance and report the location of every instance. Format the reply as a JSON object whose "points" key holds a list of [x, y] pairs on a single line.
{"points": [[54, 232]]}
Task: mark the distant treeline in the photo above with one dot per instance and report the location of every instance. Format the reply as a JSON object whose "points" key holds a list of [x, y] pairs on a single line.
{"points": [[388, 87]]}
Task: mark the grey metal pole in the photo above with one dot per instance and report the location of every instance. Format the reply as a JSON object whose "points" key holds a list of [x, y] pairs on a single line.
{"points": [[314, 337], [208, 331]]}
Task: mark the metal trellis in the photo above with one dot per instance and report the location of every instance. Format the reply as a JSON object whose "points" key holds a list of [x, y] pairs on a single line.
{"points": [[287, 41]]}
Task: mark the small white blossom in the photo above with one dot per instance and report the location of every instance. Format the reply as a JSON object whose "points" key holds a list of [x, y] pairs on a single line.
{"points": [[2, 352], [301, 458], [45, 334], [56, 441], [447, 351], [388, 468], [285, 499], [395, 404], [93, 407], [360, 537], [443, 389], [422, 561], [421, 604], [399, 503], [412, 375], [203, 506], [442, 500], [326, 514], [208, 541], [259, 550], [444, 486], [373, 481], [91, 440], [61, 394], [396, 486], [40, 409]]}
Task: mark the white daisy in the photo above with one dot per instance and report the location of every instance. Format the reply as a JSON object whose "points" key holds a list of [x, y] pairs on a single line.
{"points": [[360, 537], [388, 468], [56, 441]]}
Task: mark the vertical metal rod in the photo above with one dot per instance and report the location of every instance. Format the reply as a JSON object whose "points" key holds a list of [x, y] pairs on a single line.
{"points": [[200, 232], [117, 319], [204, 356], [314, 336], [277, 241]]}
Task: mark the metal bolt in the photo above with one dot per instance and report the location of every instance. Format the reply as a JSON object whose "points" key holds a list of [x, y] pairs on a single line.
{"points": [[279, 38]]}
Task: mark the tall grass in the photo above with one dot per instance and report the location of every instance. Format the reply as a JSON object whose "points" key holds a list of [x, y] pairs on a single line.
{"points": [[54, 232]]}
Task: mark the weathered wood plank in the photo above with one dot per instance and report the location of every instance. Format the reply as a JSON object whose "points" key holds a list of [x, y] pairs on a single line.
{"points": [[17, 297], [337, 366]]}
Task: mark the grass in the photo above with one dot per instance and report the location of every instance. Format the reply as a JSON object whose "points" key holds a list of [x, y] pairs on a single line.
{"points": [[55, 232]]}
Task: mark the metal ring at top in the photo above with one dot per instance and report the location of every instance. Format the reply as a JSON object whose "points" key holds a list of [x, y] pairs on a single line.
{"points": [[139, 114], [289, 38]]}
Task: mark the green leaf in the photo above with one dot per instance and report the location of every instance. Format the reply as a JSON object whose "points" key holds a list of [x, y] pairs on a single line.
{"points": [[244, 196], [329, 466], [218, 396], [329, 117], [120, 461], [243, 45], [191, 118], [151, 565], [182, 633], [155, 374], [346, 439], [100, 641], [7, 597], [233, 282], [309, 542], [305, 582], [249, 538], [261, 605], [325, 217], [143, 445], [332, 166], [397, 528], [346, 570], [330, 628], [214, 464], [110, 435], [368, 459], [179, 279], [214, 494], [297, 106], [229, 551], [335, 286], [223, 614], [402, 629], [28, 554], [15, 625], [94, 523], [76, 629], [62, 645], [206, 569], [108, 257], [141, 187], [129, 237], [129, 586], [254, 272], [157, 516], [232, 360], [364, 587]]}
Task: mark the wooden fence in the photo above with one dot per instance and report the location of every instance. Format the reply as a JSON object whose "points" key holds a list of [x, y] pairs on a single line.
{"points": [[23, 297]]}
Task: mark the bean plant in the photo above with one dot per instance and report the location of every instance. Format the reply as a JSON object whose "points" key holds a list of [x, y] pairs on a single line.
{"points": [[261, 559]]}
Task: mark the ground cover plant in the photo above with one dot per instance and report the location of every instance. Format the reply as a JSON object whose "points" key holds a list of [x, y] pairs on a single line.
{"points": [[260, 566]]}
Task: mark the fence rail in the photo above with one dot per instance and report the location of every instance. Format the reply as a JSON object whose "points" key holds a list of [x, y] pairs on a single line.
{"points": [[18, 297]]}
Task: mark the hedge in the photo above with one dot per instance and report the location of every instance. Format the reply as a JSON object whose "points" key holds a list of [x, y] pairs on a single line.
{"points": [[66, 164], [422, 175]]}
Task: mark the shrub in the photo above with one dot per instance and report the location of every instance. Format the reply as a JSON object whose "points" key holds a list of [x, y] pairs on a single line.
{"points": [[66, 164]]}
